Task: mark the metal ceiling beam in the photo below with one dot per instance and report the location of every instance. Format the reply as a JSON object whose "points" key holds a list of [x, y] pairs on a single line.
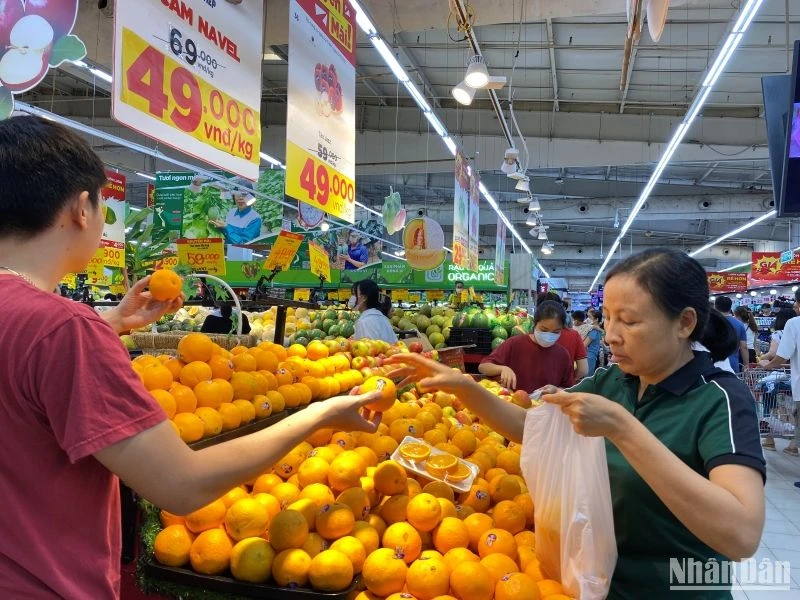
{"points": [[705, 175], [628, 75], [553, 71], [371, 87], [402, 49]]}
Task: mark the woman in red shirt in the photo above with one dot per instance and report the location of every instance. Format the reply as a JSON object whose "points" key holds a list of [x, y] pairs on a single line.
{"points": [[529, 362]]}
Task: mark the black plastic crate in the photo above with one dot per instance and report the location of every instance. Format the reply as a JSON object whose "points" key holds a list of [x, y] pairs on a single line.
{"points": [[462, 336]]}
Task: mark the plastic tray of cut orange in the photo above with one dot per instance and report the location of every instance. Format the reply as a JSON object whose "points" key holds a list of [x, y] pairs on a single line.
{"points": [[423, 459]]}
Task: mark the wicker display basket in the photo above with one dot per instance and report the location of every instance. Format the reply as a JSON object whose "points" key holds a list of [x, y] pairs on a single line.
{"points": [[170, 339]]}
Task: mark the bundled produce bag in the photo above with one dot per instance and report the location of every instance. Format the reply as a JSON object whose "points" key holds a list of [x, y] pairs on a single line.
{"points": [[567, 477]]}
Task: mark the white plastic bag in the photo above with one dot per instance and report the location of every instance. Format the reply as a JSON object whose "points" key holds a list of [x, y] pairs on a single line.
{"points": [[567, 477]]}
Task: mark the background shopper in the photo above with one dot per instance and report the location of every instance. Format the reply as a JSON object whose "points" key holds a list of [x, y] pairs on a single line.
{"points": [[751, 330], [373, 323]]}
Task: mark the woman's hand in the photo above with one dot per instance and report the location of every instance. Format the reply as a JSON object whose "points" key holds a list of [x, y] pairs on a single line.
{"points": [[591, 415], [429, 374], [138, 308], [508, 379], [217, 223], [348, 413]]}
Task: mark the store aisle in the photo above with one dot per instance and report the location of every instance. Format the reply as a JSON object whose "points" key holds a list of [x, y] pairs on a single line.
{"points": [[781, 538]]}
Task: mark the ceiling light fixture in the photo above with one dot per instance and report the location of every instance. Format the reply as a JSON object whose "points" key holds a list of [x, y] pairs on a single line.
{"points": [[145, 175], [542, 234], [734, 232], [463, 93], [324, 226], [714, 71], [400, 253], [270, 159], [752, 293], [523, 185], [509, 164], [533, 221], [534, 205], [547, 248], [477, 74]]}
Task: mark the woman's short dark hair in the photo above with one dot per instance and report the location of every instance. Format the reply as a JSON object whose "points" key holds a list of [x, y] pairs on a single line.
{"points": [[368, 289], [42, 166], [675, 282], [578, 315], [549, 309], [226, 309], [782, 317]]}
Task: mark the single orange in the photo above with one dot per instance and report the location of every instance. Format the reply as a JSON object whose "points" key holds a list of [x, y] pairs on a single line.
{"points": [[165, 285]]}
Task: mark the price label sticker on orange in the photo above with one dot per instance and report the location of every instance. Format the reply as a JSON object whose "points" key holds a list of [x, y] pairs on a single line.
{"points": [[313, 181], [283, 251], [206, 255], [320, 263], [302, 295]]}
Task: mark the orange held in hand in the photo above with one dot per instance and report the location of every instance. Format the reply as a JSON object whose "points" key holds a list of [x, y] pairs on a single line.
{"points": [[387, 389], [165, 285]]}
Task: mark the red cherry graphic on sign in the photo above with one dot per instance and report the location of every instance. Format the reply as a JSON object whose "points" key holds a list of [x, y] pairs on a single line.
{"points": [[60, 14], [11, 11]]}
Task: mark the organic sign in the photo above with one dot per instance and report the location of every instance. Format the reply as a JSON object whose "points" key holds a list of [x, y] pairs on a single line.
{"points": [[206, 255], [721, 283], [188, 73], [320, 121]]}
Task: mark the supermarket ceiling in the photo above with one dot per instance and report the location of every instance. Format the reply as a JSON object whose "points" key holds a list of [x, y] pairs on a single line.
{"points": [[593, 135]]}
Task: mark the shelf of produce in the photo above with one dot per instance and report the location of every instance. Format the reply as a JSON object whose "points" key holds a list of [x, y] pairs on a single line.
{"points": [[280, 318], [244, 429]]}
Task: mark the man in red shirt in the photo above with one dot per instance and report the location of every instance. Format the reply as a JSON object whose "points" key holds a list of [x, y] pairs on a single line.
{"points": [[571, 341], [73, 414]]}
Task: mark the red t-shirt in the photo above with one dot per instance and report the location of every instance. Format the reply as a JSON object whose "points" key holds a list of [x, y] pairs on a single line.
{"points": [[66, 391], [571, 340], [533, 365]]}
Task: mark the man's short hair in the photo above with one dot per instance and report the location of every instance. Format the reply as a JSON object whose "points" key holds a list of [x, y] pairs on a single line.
{"points": [[723, 304], [42, 166]]}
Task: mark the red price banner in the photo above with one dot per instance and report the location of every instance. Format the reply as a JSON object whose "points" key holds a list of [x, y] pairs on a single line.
{"points": [[207, 255], [311, 180], [722, 283], [158, 85], [767, 266]]}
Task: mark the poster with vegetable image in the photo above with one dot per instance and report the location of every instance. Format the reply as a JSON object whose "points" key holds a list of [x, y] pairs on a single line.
{"points": [[320, 117], [474, 219], [461, 212], [500, 253], [195, 207]]}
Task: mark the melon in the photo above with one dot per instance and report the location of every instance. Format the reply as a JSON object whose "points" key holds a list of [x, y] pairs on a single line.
{"points": [[436, 339], [480, 321], [438, 320], [405, 325], [517, 330], [499, 332], [496, 342], [446, 333], [433, 329], [461, 320], [426, 310], [423, 322]]}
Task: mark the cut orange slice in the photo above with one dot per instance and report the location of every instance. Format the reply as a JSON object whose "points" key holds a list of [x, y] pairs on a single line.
{"points": [[459, 473], [440, 464], [415, 451]]}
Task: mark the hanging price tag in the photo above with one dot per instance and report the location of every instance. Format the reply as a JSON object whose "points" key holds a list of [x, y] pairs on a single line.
{"points": [[413, 298], [320, 264], [314, 182], [110, 254], [170, 261], [207, 255], [434, 295], [70, 280], [98, 275], [117, 289], [399, 295], [283, 251], [302, 295]]}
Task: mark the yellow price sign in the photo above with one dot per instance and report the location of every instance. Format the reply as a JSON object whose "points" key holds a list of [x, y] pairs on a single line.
{"points": [[70, 280], [399, 295], [302, 295], [117, 289], [98, 275], [206, 255], [344, 295], [170, 261], [163, 88], [110, 254], [320, 264], [414, 297], [283, 251], [434, 295], [313, 181]]}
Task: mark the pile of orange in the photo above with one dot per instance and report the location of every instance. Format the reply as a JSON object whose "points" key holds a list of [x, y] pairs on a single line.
{"points": [[337, 506]]}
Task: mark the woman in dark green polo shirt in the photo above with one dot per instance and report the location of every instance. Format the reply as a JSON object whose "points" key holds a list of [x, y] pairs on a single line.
{"points": [[684, 455]]}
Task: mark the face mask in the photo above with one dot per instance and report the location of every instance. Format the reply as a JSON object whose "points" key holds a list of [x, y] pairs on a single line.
{"points": [[352, 302], [545, 338]]}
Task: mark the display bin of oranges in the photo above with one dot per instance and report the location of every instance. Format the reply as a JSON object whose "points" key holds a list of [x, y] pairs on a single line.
{"points": [[437, 465], [170, 340], [188, 584]]}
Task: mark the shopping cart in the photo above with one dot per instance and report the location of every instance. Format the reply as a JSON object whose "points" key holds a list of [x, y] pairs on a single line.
{"points": [[772, 392]]}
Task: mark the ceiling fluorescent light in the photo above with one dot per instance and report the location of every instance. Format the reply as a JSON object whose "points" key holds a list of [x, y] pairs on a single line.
{"points": [[145, 175], [390, 59], [270, 159], [451, 145], [436, 124], [477, 75], [463, 94], [734, 232], [722, 58], [417, 96], [271, 57], [363, 20], [368, 209], [739, 266], [100, 74], [446, 249], [747, 16]]}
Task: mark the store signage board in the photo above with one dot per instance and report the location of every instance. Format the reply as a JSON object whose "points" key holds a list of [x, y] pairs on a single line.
{"points": [[283, 251], [768, 266], [320, 263], [787, 256], [434, 295], [474, 218], [111, 252], [500, 253], [301, 294], [203, 255], [188, 74], [399, 295], [723, 283], [461, 213], [320, 118]]}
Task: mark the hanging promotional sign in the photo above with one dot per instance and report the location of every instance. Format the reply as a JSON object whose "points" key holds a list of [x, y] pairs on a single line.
{"points": [[283, 251], [207, 255], [188, 74], [301, 294], [474, 220], [320, 263], [35, 36], [767, 266], [423, 240], [320, 118], [500, 253], [461, 213], [723, 283]]}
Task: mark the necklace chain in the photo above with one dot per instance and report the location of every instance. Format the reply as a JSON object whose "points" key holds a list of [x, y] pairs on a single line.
{"points": [[18, 274]]}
